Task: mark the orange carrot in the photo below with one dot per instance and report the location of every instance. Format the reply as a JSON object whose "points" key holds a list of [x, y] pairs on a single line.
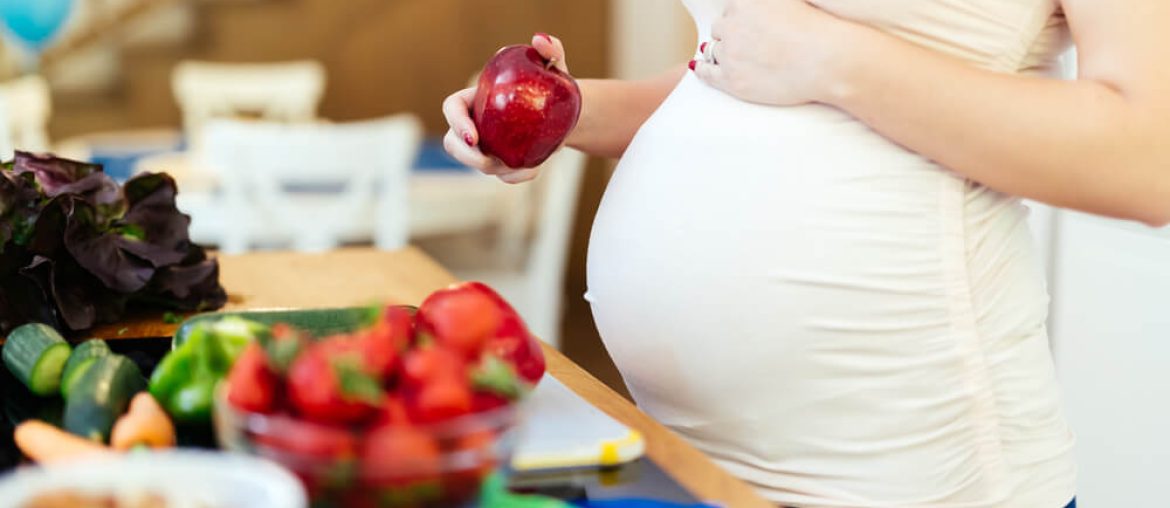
{"points": [[46, 444], [146, 423]]}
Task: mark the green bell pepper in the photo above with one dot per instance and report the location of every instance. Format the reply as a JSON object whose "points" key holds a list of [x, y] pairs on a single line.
{"points": [[184, 382]]}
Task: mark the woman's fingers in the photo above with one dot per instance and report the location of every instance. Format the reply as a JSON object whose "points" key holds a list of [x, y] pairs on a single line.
{"points": [[469, 155], [514, 176], [710, 73], [457, 109], [552, 49]]}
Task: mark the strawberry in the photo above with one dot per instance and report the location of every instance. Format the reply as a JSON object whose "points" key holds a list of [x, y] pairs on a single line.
{"points": [[426, 363], [252, 385], [330, 451], [441, 398], [383, 343], [515, 345], [485, 401], [393, 413], [403, 463], [321, 443], [399, 321], [459, 318], [509, 338], [329, 383]]}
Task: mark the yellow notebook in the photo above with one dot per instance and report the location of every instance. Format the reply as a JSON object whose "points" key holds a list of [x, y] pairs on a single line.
{"points": [[561, 430]]}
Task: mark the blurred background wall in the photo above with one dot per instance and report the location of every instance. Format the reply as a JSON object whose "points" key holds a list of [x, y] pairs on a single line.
{"points": [[111, 70], [381, 56]]}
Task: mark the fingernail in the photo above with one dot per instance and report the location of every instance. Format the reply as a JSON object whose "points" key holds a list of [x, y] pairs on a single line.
{"points": [[703, 47], [544, 36], [467, 139], [691, 65]]}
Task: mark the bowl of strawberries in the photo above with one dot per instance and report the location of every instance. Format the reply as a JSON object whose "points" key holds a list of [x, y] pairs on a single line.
{"points": [[413, 409]]}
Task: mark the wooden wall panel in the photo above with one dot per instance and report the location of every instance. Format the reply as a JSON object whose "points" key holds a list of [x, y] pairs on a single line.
{"points": [[383, 57]]}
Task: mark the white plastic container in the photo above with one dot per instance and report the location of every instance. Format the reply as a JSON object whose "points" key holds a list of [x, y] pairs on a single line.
{"points": [[185, 479]]}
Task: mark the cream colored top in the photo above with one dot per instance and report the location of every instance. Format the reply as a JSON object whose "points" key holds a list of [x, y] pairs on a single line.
{"points": [[833, 318]]}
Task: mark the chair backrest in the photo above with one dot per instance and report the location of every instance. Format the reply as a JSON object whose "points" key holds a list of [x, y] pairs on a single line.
{"points": [[557, 191], [278, 92], [314, 185], [25, 106]]}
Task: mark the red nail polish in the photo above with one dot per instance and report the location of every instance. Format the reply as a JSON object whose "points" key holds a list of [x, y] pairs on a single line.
{"points": [[691, 65], [703, 47], [544, 36], [467, 139]]}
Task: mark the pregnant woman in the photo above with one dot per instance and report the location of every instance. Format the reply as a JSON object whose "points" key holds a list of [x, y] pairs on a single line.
{"points": [[812, 262]]}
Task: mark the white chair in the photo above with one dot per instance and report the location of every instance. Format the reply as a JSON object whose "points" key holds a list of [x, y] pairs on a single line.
{"points": [[26, 105], [309, 186], [278, 92], [536, 288]]}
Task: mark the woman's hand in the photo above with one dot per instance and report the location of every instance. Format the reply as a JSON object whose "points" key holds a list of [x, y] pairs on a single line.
{"points": [[775, 52], [462, 139]]}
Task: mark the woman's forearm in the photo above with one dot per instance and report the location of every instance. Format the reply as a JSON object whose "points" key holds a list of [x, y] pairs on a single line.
{"points": [[1087, 144], [612, 111]]}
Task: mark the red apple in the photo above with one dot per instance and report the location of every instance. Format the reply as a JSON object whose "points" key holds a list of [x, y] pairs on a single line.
{"points": [[524, 107]]}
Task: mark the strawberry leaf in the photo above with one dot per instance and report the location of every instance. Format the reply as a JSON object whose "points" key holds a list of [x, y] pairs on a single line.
{"points": [[355, 384], [496, 376]]}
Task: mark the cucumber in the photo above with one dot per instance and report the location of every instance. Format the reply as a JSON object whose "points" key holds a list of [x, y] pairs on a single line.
{"points": [[83, 357], [36, 355], [101, 395]]}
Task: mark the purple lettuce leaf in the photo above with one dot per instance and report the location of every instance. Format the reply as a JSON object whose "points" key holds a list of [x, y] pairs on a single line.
{"points": [[159, 230], [80, 299], [57, 176], [100, 252], [23, 300], [190, 285], [20, 203], [76, 249]]}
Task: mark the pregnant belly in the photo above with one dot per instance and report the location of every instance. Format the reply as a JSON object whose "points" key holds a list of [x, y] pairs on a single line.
{"points": [[799, 296], [735, 233], [750, 262]]}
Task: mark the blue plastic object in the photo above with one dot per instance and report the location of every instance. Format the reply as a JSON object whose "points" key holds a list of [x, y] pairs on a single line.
{"points": [[35, 22], [636, 503]]}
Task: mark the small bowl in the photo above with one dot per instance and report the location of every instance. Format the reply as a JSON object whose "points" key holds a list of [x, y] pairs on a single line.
{"points": [[329, 459], [180, 478]]}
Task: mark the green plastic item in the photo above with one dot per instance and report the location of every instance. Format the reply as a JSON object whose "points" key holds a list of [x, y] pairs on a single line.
{"points": [[319, 322], [495, 494]]}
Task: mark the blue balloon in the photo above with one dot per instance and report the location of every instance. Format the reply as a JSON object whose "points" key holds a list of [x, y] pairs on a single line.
{"points": [[35, 22]]}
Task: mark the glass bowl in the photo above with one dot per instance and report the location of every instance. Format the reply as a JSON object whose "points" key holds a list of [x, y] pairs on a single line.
{"points": [[430, 466]]}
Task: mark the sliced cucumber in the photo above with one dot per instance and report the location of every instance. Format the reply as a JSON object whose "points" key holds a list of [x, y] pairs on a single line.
{"points": [[36, 354], [101, 395], [80, 360]]}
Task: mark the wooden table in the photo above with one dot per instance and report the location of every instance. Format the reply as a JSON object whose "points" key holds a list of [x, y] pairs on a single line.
{"points": [[359, 276]]}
